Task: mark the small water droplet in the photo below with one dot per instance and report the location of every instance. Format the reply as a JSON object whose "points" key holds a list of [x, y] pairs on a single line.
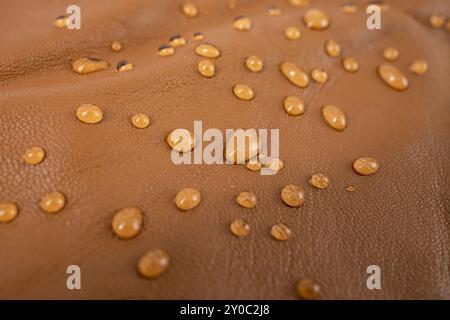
{"points": [[391, 54], [177, 41], [293, 195], [207, 51], [335, 117], [299, 3], [319, 76], [232, 4], [320, 181], [307, 289], [246, 199], [61, 21], [366, 166], [140, 121], [273, 11], [52, 202], [350, 188], [206, 68], [294, 106], [294, 74], [116, 46], [166, 50], [89, 113], [181, 140], [437, 21], [393, 77], [88, 65], [153, 263], [34, 155], [280, 232], [242, 23], [242, 146], [127, 222], [271, 163], [350, 64], [293, 33], [316, 19], [189, 9], [243, 92], [254, 63], [124, 65], [253, 166], [419, 67], [240, 228], [198, 36], [8, 211], [187, 199], [332, 48], [349, 8]]}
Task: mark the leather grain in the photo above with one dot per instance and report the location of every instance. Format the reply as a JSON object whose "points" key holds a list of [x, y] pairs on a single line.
{"points": [[397, 219]]}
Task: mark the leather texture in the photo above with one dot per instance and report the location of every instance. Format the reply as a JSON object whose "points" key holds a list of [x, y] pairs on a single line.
{"points": [[397, 219]]}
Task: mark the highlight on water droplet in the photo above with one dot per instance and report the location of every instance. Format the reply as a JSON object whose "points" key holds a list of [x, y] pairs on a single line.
{"points": [[350, 64], [307, 289], [242, 23], [393, 77], [116, 46], [419, 67], [280, 232], [319, 76], [52, 202], [124, 65], [254, 63], [188, 198], [127, 222], [166, 50], [293, 195], [316, 19], [247, 199], [140, 121], [294, 74], [240, 228], [34, 155], [206, 68], [153, 263], [320, 181], [8, 211], [88, 65], [243, 92], [366, 166], [335, 117], [89, 113], [332, 48], [293, 33], [189, 9]]}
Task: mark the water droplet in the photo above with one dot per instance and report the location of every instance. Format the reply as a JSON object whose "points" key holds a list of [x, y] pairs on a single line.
{"points": [[153, 263], [393, 77], [198, 36], [88, 65], [207, 51], [242, 23], [166, 50], [349, 8], [366, 166], [8, 211], [242, 146], [294, 106], [335, 117], [181, 140], [437, 21], [61, 21], [189, 9], [177, 41], [293, 33], [246, 199], [89, 113], [447, 26], [127, 222], [274, 11], [280, 232], [332, 48], [294, 74], [292, 195], [188, 198], [350, 64], [34, 155], [271, 163], [240, 228], [253, 166], [140, 121], [299, 3], [116, 46], [307, 289], [52, 202], [350, 188], [320, 181], [124, 65], [319, 76], [206, 68], [391, 54], [254, 63], [243, 92], [316, 19], [232, 4], [419, 67]]}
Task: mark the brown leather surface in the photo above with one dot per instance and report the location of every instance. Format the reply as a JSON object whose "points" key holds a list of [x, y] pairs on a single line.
{"points": [[397, 219]]}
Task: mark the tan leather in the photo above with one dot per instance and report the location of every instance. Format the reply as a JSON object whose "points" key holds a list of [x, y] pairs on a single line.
{"points": [[397, 219]]}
